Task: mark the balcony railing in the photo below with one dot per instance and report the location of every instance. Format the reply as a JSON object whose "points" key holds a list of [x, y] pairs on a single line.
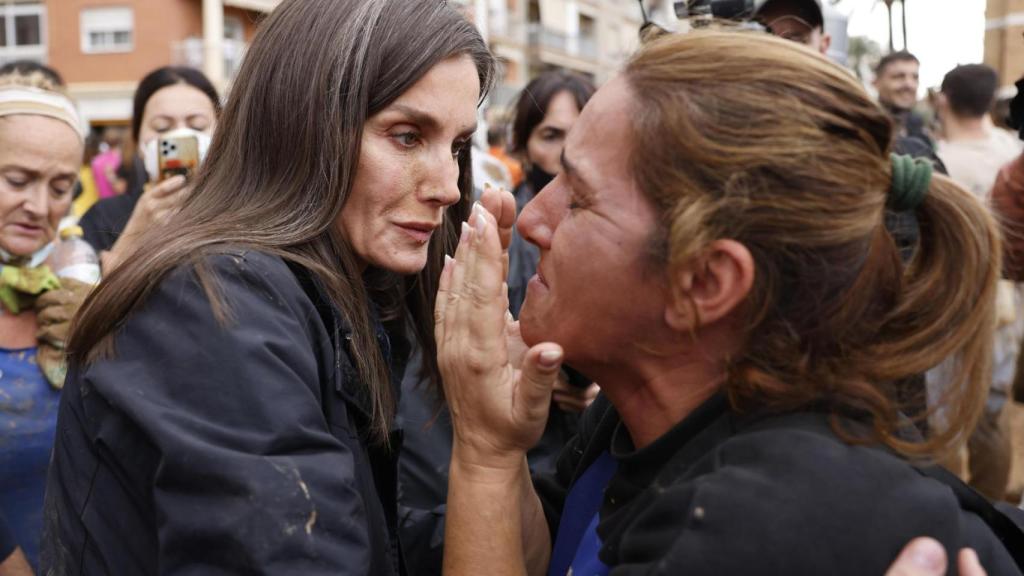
{"points": [[189, 52], [573, 45], [500, 26]]}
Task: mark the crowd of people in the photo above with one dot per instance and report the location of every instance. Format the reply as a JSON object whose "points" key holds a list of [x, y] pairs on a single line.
{"points": [[726, 314]]}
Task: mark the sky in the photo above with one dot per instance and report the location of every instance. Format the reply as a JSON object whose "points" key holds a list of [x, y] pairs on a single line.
{"points": [[942, 33]]}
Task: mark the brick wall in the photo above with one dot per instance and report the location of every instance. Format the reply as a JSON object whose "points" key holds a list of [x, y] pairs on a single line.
{"points": [[157, 25]]}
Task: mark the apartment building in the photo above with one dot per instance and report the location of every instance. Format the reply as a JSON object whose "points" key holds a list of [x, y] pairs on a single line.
{"points": [[591, 37], [1004, 41], [104, 47]]}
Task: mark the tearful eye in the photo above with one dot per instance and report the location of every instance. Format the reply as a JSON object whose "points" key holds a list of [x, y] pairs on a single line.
{"points": [[407, 139]]}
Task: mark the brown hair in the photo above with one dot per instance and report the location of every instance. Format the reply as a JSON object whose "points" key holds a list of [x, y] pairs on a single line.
{"points": [[283, 161], [757, 139], [893, 57], [532, 104]]}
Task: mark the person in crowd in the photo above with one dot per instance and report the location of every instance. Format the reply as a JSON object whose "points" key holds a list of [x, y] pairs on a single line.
{"points": [[714, 253], [897, 78], [41, 144], [802, 21], [972, 148], [168, 99], [973, 151], [1008, 202], [27, 68], [544, 113], [1008, 199], [497, 137], [230, 398]]}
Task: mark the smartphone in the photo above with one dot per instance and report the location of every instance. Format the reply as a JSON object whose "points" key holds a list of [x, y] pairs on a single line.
{"points": [[177, 155]]}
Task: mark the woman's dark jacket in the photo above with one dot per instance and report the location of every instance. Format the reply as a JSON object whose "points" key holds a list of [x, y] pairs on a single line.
{"points": [[103, 223], [202, 448], [723, 494]]}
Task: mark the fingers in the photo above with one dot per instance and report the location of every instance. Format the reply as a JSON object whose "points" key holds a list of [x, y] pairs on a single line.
{"points": [[922, 557], [470, 310], [156, 205], [537, 379], [446, 304], [484, 283], [168, 187], [441, 302], [502, 205], [969, 564]]}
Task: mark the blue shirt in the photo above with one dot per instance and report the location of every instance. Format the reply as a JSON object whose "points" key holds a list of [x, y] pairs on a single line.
{"points": [[28, 420]]}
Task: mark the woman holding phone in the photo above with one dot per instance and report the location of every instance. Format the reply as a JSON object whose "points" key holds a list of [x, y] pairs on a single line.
{"points": [[171, 100]]}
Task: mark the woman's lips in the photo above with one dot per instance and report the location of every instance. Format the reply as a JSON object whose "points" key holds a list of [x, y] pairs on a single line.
{"points": [[539, 278], [420, 232], [29, 229]]}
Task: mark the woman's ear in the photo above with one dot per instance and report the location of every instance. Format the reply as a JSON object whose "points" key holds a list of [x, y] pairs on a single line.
{"points": [[710, 286]]}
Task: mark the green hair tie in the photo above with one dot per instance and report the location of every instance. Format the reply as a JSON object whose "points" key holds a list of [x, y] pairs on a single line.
{"points": [[910, 180]]}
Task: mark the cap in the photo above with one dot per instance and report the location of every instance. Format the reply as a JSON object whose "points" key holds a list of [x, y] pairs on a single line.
{"points": [[809, 10]]}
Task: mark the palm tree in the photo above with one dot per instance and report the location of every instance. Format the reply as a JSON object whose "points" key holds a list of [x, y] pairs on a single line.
{"points": [[863, 54], [888, 6], [903, 11]]}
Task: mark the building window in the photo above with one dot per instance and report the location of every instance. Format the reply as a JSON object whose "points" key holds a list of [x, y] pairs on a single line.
{"points": [[22, 31], [107, 30], [234, 45]]}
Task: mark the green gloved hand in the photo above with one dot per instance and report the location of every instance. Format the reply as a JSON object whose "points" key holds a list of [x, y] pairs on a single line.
{"points": [[19, 287]]}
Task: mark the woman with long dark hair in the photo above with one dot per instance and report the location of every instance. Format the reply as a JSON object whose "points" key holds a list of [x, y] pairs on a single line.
{"points": [[229, 404]]}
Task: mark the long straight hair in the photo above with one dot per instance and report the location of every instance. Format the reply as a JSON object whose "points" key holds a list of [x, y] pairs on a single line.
{"points": [[283, 163]]}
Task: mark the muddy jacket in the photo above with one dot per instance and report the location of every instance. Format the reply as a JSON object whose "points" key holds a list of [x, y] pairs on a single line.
{"points": [[202, 448]]}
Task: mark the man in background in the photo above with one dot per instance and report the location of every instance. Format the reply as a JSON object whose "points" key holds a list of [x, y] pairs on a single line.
{"points": [[897, 79], [972, 148], [802, 21], [973, 151]]}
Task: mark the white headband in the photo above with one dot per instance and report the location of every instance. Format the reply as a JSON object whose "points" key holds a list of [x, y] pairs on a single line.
{"points": [[27, 100]]}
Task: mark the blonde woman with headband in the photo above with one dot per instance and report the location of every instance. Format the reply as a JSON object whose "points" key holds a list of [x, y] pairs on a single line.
{"points": [[41, 146]]}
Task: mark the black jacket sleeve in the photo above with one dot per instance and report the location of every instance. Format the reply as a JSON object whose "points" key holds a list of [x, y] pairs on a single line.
{"points": [[247, 477]]}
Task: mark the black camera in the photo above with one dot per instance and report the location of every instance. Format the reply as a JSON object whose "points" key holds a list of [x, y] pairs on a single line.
{"points": [[719, 9]]}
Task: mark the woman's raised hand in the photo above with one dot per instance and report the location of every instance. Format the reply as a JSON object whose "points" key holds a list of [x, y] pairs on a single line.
{"points": [[154, 207], [498, 395], [502, 205]]}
